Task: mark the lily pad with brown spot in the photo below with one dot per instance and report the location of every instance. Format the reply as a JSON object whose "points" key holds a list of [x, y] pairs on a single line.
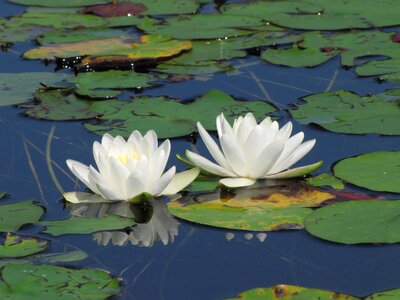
{"points": [[290, 292], [259, 209]]}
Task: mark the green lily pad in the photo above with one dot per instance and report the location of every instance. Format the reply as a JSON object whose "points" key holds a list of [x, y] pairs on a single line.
{"points": [[352, 45], [19, 246], [80, 225], [93, 82], [59, 105], [170, 118], [207, 26], [13, 216], [385, 295], [57, 21], [320, 14], [356, 222], [202, 184], [149, 47], [63, 36], [346, 112], [325, 180], [202, 68], [20, 33], [390, 67], [290, 292], [19, 87], [296, 57], [26, 281], [258, 209], [378, 171]]}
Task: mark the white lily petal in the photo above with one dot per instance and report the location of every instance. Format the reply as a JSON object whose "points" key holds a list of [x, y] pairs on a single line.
{"points": [[106, 140], [104, 187], [243, 131], [255, 143], [81, 197], [82, 172], [298, 154], [290, 146], [237, 182], [212, 147], [160, 185], [296, 172], [180, 181], [134, 185], [266, 159], [135, 137], [207, 165], [234, 154], [285, 131]]}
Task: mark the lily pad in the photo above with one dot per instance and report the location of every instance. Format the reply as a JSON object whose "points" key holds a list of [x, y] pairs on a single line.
{"points": [[117, 9], [346, 112], [79, 225], [13, 216], [19, 246], [149, 47], [26, 281], [258, 209], [57, 21], [385, 295], [378, 171], [357, 222], [320, 14], [388, 67], [154, 7], [59, 105], [170, 118], [98, 81], [207, 26], [19, 87], [290, 292], [24, 33], [325, 180], [202, 68], [71, 36], [296, 57]]}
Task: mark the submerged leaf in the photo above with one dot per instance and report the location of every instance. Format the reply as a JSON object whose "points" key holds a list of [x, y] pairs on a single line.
{"points": [[170, 118], [325, 180], [378, 171], [59, 106]]}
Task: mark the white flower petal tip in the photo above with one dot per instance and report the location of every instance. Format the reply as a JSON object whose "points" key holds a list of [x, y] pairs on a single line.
{"points": [[248, 149], [181, 180], [236, 182], [80, 197], [296, 172], [126, 170]]}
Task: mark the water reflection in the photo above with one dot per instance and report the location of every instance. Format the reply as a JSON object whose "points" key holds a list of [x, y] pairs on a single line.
{"points": [[153, 223]]}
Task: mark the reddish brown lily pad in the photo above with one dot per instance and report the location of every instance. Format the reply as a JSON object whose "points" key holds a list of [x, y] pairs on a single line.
{"points": [[115, 9]]}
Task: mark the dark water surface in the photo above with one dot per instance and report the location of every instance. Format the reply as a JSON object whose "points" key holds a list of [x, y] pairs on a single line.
{"points": [[201, 263]]}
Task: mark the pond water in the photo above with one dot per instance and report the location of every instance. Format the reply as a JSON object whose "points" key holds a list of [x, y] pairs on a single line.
{"points": [[201, 263]]}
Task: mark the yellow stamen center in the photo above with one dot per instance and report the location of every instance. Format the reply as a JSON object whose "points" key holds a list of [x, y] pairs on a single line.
{"points": [[123, 158]]}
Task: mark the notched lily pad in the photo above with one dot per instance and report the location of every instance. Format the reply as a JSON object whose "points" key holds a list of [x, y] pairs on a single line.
{"points": [[19, 87], [59, 105], [346, 112], [260, 209], [292, 292], [378, 171], [170, 118], [19, 246], [80, 225], [14, 215], [26, 281], [356, 222]]}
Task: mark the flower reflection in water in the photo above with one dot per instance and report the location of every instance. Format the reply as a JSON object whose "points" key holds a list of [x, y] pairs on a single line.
{"points": [[154, 223]]}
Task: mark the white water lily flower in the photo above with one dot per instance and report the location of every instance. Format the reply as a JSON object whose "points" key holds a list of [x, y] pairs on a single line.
{"points": [[251, 151], [128, 169]]}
